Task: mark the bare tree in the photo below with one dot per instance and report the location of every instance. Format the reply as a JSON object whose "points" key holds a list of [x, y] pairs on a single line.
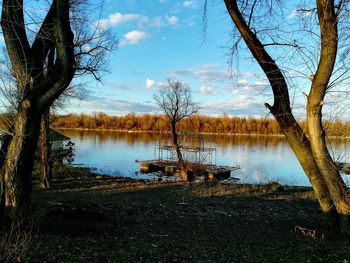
{"points": [[38, 86], [176, 101], [311, 149]]}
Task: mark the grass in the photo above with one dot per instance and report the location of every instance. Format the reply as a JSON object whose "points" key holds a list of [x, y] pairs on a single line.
{"points": [[102, 219]]}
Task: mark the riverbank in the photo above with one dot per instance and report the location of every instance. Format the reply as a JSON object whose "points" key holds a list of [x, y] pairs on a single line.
{"points": [[267, 135], [94, 218], [194, 124], [169, 133]]}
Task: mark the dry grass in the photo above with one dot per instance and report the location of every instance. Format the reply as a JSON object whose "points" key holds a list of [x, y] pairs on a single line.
{"points": [[14, 241]]}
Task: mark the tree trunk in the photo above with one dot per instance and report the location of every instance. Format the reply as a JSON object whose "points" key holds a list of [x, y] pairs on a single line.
{"points": [[336, 185], [39, 86], [18, 165], [4, 146], [317, 136], [181, 163], [45, 153], [302, 149], [282, 112]]}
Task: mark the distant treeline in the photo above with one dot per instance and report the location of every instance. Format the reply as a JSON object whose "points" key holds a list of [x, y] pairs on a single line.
{"points": [[197, 123]]}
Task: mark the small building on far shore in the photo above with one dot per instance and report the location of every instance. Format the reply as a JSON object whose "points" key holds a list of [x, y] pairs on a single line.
{"points": [[62, 148], [58, 140]]}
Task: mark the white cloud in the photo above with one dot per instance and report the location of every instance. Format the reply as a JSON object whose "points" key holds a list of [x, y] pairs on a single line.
{"points": [[172, 20], [113, 106], [248, 91], [164, 21], [162, 85], [242, 82], [244, 100], [257, 85], [237, 107], [117, 19], [149, 83], [140, 21], [261, 83], [207, 90], [205, 73], [188, 3], [133, 37], [294, 13]]}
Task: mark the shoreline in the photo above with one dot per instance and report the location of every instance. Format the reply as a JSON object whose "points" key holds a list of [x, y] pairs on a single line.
{"points": [[155, 132], [195, 133], [80, 172]]}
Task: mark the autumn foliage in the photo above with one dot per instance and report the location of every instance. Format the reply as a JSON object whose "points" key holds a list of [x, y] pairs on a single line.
{"points": [[159, 123], [196, 123]]}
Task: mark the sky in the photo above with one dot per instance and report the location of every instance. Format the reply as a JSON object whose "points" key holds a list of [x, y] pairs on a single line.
{"points": [[165, 39], [158, 40]]}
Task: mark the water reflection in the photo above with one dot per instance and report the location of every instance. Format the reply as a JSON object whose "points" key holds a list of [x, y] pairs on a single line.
{"points": [[261, 158]]}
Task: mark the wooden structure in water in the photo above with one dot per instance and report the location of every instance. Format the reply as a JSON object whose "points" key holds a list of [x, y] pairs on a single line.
{"points": [[199, 162], [208, 171], [199, 155]]}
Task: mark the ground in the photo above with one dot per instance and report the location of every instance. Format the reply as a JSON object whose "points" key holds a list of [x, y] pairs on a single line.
{"points": [[88, 218]]}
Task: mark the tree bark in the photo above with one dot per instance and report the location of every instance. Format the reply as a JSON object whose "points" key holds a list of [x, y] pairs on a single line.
{"points": [[317, 136], [4, 147], [38, 87], [45, 153], [18, 164], [282, 112]]}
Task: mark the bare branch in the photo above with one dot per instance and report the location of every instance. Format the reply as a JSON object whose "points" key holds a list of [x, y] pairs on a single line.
{"points": [[176, 101]]}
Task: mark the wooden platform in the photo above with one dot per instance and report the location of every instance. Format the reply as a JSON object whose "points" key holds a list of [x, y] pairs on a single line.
{"points": [[209, 171]]}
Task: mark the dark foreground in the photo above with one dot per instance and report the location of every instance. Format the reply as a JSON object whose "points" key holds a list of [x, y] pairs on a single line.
{"points": [[104, 219]]}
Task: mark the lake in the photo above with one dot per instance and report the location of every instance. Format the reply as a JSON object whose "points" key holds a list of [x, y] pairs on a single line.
{"points": [[261, 158]]}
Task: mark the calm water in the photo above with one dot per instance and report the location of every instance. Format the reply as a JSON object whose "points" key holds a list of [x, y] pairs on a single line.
{"points": [[261, 159]]}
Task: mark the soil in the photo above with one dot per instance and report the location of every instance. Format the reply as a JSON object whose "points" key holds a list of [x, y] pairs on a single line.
{"points": [[91, 218]]}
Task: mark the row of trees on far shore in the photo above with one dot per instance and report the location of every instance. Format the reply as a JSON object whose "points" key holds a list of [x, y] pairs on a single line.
{"points": [[196, 123]]}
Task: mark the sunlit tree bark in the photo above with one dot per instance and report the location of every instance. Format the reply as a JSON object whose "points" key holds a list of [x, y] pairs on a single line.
{"points": [[315, 100]]}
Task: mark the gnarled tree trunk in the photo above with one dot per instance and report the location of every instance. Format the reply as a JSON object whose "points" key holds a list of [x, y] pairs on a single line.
{"points": [[38, 86], [18, 165]]}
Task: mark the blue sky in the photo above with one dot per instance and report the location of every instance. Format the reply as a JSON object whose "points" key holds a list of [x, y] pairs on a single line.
{"points": [[165, 39], [161, 39]]}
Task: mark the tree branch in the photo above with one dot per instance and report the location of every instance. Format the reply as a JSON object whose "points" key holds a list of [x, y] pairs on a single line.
{"points": [[65, 64], [13, 27]]}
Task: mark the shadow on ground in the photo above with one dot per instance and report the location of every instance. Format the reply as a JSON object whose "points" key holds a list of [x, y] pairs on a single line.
{"points": [[105, 219]]}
